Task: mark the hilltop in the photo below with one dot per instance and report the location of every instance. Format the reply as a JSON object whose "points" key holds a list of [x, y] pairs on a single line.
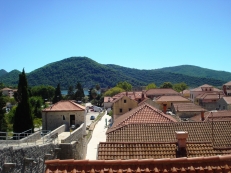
{"points": [[89, 72]]}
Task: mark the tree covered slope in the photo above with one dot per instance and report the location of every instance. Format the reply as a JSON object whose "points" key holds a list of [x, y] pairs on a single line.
{"points": [[69, 71]]}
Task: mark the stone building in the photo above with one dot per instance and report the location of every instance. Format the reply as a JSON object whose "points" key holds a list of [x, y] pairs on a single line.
{"points": [[63, 112]]}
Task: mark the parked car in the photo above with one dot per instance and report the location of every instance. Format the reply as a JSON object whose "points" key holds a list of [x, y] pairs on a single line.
{"points": [[92, 117]]}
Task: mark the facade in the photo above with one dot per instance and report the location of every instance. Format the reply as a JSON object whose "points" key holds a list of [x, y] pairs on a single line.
{"points": [[108, 101], [157, 92], [63, 112], [227, 88], [123, 104], [224, 103]]}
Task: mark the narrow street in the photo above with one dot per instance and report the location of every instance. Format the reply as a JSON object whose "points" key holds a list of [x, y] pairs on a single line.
{"points": [[98, 135]]}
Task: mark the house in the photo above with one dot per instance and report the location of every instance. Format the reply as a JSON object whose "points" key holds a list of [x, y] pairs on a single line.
{"points": [[224, 103], [122, 105], [166, 102], [187, 110], [204, 164], [209, 100], [144, 113], [201, 90], [227, 88], [150, 102], [63, 112], [107, 103], [8, 92], [134, 95], [157, 92]]}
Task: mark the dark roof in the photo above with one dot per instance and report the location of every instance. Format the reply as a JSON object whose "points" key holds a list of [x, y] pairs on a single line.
{"points": [[175, 165], [134, 150], [141, 114], [219, 132]]}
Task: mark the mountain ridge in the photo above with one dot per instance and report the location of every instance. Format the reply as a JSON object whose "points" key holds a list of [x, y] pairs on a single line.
{"points": [[69, 71]]}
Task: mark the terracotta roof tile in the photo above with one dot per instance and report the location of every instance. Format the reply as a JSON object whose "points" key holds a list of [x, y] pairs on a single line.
{"points": [[142, 114], [171, 99], [179, 165], [134, 150], [162, 91], [108, 99], [219, 131], [187, 107], [210, 95], [205, 86], [64, 105], [224, 115]]}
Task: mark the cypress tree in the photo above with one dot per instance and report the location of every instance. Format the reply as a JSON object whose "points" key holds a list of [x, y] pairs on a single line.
{"points": [[79, 94], [23, 119], [58, 95], [3, 124]]}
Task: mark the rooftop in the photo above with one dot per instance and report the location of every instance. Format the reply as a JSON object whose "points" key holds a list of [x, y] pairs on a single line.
{"points": [[141, 114], [161, 91], [188, 107], [224, 115], [171, 99], [176, 165], [218, 132], [64, 105]]}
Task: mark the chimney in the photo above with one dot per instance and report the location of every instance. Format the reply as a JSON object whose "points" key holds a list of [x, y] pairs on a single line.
{"points": [[181, 137], [165, 108], [202, 116]]}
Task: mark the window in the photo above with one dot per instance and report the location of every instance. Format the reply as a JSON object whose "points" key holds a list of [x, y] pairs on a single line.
{"points": [[64, 117], [121, 110], [130, 109], [125, 101], [224, 107]]}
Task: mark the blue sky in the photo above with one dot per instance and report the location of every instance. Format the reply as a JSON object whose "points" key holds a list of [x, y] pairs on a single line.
{"points": [[142, 34]]}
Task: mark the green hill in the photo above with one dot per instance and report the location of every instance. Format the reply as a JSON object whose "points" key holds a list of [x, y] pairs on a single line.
{"points": [[3, 72], [195, 71], [69, 71]]}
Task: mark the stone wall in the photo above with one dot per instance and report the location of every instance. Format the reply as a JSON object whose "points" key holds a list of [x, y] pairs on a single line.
{"points": [[27, 159]]}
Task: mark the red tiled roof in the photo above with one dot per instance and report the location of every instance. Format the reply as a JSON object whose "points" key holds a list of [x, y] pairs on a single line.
{"points": [[185, 92], [171, 99], [220, 132], [205, 86], [144, 101], [108, 99], [6, 89], [64, 105], [224, 115], [162, 91], [142, 114], [228, 83], [187, 107], [132, 94], [227, 100], [134, 150], [210, 95], [211, 164]]}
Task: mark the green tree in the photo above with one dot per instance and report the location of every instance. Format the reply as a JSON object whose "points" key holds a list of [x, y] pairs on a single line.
{"points": [[113, 91], [97, 87], [124, 85], [79, 94], [166, 85], [3, 123], [150, 86], [36, 103], [70, 93], [58, 95], [23, 119], [94, 93], [180, 86], [45, 91]]}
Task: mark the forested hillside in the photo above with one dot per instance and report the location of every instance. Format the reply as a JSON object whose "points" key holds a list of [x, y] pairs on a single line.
{"points": [[69, 71], [3, 72], [195, 71]]}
